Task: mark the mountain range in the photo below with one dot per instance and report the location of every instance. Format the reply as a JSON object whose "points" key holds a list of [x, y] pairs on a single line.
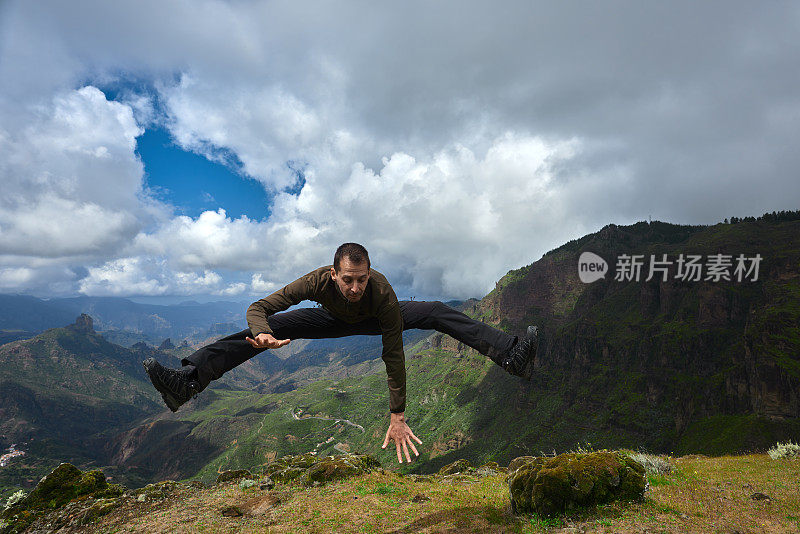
{"points": [[671, 364]]}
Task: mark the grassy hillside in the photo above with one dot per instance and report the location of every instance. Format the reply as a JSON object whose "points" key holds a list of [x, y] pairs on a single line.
{"points": [[699, 494]]}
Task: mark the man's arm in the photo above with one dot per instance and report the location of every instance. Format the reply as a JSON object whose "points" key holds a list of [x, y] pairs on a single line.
{"points": [[391, 322], [292, 294]]}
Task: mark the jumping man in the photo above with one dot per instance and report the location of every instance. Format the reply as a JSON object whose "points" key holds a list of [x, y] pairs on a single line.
{"points": [[355, 300]]}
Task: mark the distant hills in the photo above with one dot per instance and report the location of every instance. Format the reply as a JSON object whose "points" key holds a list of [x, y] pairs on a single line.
{"points": [[121, 320]]}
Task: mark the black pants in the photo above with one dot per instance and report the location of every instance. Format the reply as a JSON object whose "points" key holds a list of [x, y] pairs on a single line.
{"points": [[213, 360]]}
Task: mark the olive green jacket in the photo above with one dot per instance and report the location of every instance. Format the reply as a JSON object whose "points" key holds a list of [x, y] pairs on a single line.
{"points": [[379, 301]]}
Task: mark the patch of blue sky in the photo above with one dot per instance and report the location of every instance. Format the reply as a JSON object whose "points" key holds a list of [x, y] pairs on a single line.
{"points": [[188, 181], [194, 184]]}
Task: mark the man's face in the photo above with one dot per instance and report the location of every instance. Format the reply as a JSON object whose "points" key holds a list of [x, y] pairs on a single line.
{"points": [[352, 279]]}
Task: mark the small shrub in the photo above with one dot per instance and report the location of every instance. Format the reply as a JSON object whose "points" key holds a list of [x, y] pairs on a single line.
{"points": [[14, 499], [784, 450], [580, 449], [653, 465]]}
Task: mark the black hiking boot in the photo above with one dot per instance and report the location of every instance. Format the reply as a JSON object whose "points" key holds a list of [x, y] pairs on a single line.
{"points": [[175, 385], [519, 361]]}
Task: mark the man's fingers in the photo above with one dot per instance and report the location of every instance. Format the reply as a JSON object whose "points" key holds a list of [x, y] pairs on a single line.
{"points": [[413, 448], [405, 450], [283, 342], [385, 441], [415, 437], [399, 458]]}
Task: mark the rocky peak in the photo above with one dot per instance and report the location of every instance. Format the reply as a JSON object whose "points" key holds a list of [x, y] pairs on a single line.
{"points": [[83, 324], [166, 345]]}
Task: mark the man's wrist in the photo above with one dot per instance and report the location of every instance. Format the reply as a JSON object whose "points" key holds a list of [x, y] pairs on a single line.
{"points": [[398, 417]]}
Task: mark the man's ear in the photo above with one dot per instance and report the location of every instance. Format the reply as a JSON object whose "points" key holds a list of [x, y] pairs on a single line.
{"points": [[333, 274]]}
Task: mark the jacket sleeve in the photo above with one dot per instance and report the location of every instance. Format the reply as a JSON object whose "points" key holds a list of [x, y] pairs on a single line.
{"points": [[292, 294], [391, 323]]}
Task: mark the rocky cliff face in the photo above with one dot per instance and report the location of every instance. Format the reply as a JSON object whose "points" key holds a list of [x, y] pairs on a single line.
{"points": [[691, 353]]}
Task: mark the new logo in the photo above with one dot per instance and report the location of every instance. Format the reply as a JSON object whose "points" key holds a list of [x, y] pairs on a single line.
{"points": [[591, 267]]}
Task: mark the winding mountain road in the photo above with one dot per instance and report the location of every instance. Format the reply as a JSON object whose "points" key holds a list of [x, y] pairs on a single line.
{"points": [[347, 421]]}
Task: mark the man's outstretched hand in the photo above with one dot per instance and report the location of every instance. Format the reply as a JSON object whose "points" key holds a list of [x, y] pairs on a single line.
{"points": [[266, 341], [402, 435]]}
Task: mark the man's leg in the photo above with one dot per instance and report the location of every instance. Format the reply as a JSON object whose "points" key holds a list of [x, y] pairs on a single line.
{"points": [[438, 316], [215, 359]]}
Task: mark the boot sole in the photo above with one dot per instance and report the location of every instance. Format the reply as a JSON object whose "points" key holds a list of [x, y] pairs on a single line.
{"points": [[149, 364]]}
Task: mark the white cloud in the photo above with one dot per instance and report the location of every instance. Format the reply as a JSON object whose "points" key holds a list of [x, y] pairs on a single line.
{"points": [[145, 276], [264, 127], [450, 225], [455, 145], [259, 286], [72, 185], [124, 276], [16, 277], [232, 290]]}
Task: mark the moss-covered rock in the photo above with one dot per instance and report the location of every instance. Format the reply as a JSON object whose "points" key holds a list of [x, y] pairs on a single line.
{"points": [[289, 468], [459, 466], [155, 492], [519, 461], [314, 471], [63, 485], [338, 467], [551, 486], [98, 509], [236, 474], [489, 469]]}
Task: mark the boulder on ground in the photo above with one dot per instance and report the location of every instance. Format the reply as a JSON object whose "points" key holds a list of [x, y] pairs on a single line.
{"points": [[339, 467], [235, 474], [155, 492], [63, 485], [516, 462], [549, 486], [459, 466], [314, 471], [462, 470], [260, 505], [289, 468]]}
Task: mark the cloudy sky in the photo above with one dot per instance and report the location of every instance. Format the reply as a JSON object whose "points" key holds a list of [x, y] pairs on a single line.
{"points": [[219, 150]]}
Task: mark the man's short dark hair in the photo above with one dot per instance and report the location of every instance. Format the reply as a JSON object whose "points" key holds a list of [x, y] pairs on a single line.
{"points": [[352, 251]]}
